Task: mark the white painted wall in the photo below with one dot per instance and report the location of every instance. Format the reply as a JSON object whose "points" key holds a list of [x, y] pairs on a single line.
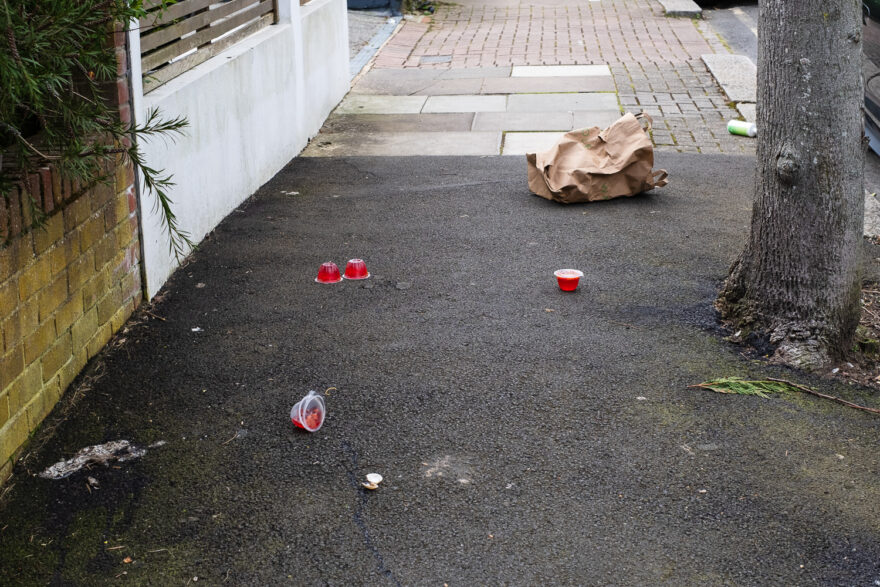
{"points": [[251, 109], [324, 25]]}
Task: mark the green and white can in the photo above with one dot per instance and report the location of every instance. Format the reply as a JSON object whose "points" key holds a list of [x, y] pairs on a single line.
{"points": [[739, 127]]}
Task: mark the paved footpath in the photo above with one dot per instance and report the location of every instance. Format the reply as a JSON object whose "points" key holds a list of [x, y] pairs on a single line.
{"points": [[507, 76]]}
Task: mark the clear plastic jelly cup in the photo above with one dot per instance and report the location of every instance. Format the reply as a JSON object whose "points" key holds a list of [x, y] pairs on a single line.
{"points": [[356, 269], [308, 413], [328, 273], [568, 278]]}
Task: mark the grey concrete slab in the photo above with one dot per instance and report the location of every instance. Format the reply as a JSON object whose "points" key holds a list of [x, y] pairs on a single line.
{"points": [[600, 118], [435, 59], [465, 104], [389, 87], [399, 123], [561, 102], [480, 72], [523, 121], [395, 144], [520, 143], [411, 73], [872, 215], [412, 87], [736, 74], [748, 111], [685, 8], [452, 87], [366, 104], [560, 71], [527, 85]]}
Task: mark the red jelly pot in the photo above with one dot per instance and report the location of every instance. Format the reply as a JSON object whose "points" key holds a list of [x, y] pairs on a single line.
{"points": [[328, 273], [568, 279], [356, 269]]}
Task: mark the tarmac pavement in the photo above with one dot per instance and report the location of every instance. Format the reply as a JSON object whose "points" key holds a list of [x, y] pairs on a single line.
{"points": [[526, 435]]}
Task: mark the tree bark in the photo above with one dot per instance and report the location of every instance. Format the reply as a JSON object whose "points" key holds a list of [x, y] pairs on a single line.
{"points": [[798, 280]]}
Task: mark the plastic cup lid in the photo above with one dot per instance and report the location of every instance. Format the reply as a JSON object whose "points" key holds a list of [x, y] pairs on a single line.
{"points": [[568, 273]]}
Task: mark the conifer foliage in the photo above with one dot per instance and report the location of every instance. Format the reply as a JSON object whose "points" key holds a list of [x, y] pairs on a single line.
{"points": [[58, 73]]}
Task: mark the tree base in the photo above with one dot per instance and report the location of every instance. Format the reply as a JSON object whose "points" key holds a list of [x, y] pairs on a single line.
{"points": [[796, 344]]}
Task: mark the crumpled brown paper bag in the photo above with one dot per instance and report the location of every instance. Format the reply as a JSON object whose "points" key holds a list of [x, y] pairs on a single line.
{"points": [[592, 164]]}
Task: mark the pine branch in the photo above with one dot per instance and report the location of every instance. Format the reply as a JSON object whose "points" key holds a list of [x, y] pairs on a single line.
{"points": [[25, 142], [53, 106], [761, 388]]}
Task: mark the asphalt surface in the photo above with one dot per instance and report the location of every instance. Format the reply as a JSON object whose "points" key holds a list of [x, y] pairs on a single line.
{"points": [[362, 25], [737, 22], [525, 435]]}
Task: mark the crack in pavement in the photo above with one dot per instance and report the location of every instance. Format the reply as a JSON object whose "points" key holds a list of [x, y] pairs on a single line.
{"points": [[359, 514]]}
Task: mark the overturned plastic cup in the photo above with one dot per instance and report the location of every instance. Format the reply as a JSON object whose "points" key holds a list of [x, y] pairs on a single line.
{"points": [[568, 278], [308, 413], [356, 269], [328, 273]]}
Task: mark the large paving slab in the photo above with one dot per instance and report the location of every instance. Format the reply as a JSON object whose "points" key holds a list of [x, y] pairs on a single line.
{"points": [[600, 118], [400, 123], [561, 102], [465, 104], [411, 74], [481, 72], [366, 104], [736, 74], [748, 111], [435, 74], [520, 143], [685, 8], [527, 85], [421, 87], [396, 144], [408, 85], [523, 121], [560, 71]]}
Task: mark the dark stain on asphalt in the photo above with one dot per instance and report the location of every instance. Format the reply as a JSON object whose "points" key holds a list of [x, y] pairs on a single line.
{"points": [[358, 516]]}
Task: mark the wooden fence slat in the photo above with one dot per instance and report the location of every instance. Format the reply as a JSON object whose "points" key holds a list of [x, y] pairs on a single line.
{"points": [[166, 54], [173, 12], [157, 78], [193, 23]]}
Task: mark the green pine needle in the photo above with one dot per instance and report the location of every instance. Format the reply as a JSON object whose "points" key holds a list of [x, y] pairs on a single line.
{"points": [[741, 386]]}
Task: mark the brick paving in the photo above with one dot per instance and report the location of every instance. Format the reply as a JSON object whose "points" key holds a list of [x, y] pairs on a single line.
{"points": [[654, 60]]}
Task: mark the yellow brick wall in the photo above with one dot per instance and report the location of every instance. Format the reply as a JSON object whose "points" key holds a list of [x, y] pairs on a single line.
{"points": [[64, 290]]}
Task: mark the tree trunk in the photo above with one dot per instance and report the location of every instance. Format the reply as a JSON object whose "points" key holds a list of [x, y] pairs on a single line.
{"points": [[798, 280]]}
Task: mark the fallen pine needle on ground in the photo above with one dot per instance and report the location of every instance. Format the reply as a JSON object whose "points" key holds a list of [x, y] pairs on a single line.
{"points": [[763, 387]]}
